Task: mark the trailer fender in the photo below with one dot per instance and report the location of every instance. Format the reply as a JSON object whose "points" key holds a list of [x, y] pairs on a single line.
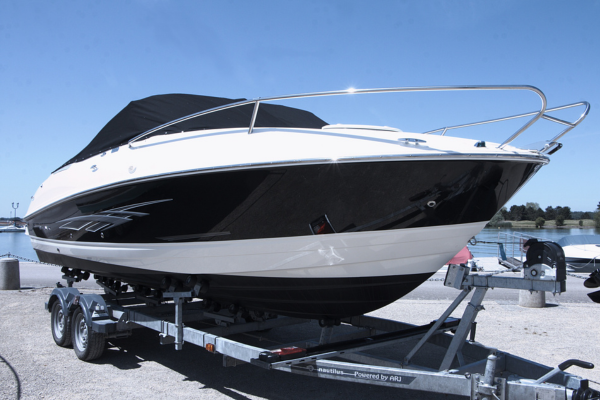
{"points": [[92, 305], [70, 299], [65, 295]]}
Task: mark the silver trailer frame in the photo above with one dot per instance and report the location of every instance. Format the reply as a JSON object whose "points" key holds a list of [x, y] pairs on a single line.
{"points": [[467, 368]]}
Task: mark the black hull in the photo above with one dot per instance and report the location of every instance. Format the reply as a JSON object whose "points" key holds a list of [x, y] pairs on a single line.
{"points": [[282, 202], [314, 298]]}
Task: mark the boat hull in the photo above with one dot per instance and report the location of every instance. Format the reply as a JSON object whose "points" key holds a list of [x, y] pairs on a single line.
{"points": [[320, 276], [582, 252], [319, 241], [582, 260]]}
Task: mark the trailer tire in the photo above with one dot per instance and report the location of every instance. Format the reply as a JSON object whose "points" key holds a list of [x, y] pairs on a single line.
{"points": [[60, 325], [88, 345]]}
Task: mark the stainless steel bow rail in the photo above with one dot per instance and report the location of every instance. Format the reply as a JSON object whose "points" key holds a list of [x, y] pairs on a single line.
{"points": [[437, 357], [550, 146]]}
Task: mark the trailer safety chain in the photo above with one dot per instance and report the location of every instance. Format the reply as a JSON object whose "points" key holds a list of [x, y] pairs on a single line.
{"points": [[497, 272], [502, 272], [9, 255], [576, 276]]}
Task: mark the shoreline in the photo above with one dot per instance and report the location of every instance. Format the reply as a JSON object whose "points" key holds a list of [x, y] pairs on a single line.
{"points": [[528, 226], [550, 224]]}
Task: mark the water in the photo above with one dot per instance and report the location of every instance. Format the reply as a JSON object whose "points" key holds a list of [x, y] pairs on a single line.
{"points": [[17, 243], [491, 235]]}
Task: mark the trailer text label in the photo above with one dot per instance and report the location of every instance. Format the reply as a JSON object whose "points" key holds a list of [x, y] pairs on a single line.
{"points": [[353, 374]]}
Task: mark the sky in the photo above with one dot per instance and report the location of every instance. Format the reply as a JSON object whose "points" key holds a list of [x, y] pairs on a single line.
{"points": [[66, 68]]}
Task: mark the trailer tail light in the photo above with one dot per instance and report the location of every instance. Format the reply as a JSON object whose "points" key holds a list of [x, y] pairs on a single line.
{"points": [[285, 353]]}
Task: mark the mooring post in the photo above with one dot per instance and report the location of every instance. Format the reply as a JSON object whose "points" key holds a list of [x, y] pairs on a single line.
{"points": [[10, 278], [532, 298]]}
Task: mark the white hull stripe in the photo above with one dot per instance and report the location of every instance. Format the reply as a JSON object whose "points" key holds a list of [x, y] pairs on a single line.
{"points": [[343, 255]]}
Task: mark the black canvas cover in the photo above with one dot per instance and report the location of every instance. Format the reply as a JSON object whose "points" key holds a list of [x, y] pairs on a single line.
{"points": [[142, 115]]}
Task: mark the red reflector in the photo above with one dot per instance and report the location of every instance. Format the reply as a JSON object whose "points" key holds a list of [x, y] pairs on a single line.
{"points": [[289, 352]]}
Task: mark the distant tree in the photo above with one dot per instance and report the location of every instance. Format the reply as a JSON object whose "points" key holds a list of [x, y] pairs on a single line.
{"points": [[504, 213], [531, 214], [516, 213], [522, 212], [530, 211], [597, 216], [550, 213], [510, 214], [559, 211], [496, 219], [586, 215], [580, 223], [565, 212], [560, 220], [539, 222], [539, 213]]}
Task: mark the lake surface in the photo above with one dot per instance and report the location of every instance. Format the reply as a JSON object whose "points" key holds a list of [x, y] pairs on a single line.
{"points": [[20, 245], [17, 243], [493, 235]]}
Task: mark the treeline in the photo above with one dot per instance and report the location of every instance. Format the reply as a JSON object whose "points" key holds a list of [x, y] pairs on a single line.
{"points": [[533, 212], [3, 219]]}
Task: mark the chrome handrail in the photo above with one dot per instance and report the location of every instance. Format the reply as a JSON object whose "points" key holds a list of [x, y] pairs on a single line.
{"points": [[536, 115], [570, 125]]}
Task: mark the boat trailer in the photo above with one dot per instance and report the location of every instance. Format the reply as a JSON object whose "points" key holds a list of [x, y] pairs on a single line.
{"points": [[464, 367]]}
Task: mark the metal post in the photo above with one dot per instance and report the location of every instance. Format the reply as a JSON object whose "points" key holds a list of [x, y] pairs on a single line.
{"points": [[15, 208], [179, 322], [490, 369], [326, 333], [178, 299], [437, 324], [464, 327]]}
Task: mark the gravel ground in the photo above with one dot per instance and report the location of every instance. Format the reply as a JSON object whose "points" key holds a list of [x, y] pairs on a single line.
{"points": [[32, 366]]}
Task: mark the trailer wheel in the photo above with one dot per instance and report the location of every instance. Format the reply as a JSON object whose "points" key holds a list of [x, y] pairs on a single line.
{"points": [[88, 345], [61, 325]]}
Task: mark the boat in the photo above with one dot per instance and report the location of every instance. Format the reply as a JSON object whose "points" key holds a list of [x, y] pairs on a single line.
{"points": [[268, 208], [582, 252], [12, 228]]}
